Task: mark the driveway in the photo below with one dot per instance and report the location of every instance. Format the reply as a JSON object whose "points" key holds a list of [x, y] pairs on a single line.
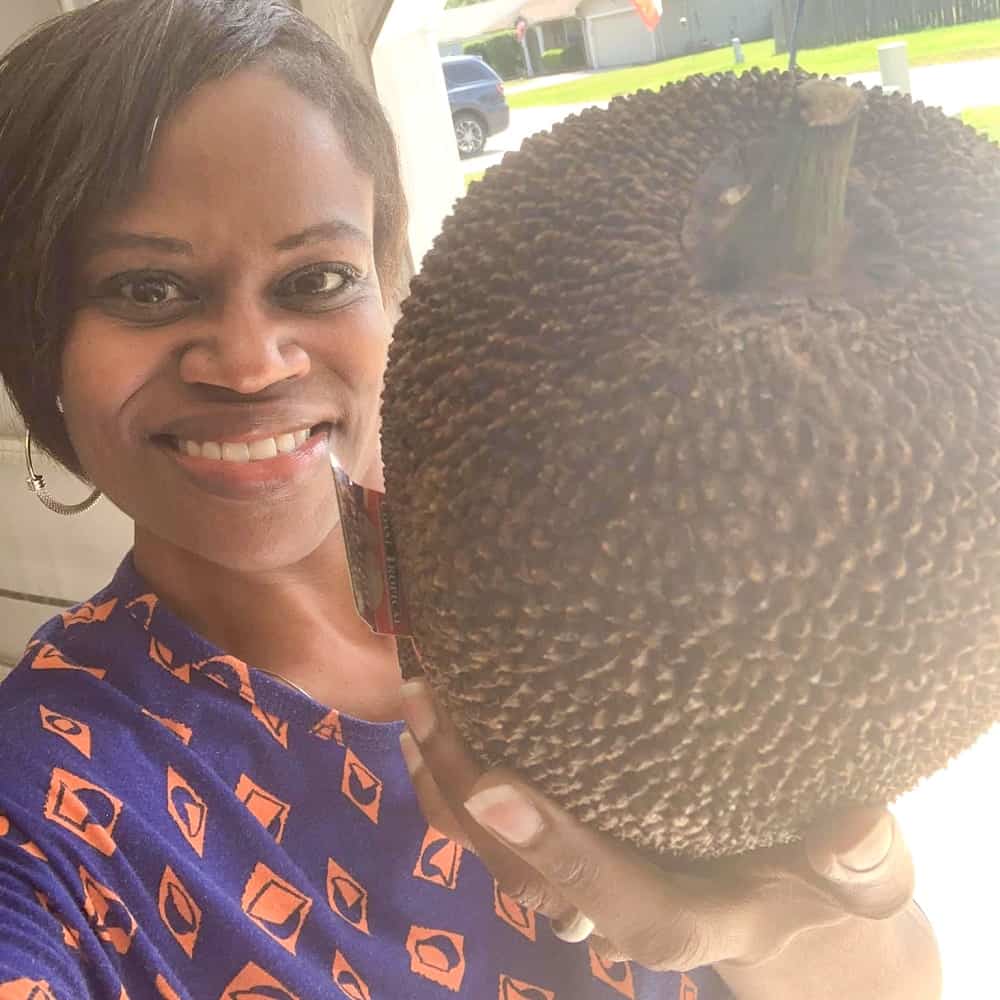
{"points": [[950, 86]]}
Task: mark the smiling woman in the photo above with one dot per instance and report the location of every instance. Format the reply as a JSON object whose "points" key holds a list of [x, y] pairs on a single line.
{"points": [[206, 789], [202, 789]]}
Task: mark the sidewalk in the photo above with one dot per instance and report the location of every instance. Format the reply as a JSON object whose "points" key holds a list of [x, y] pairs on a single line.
{"points": [[538, 82]]}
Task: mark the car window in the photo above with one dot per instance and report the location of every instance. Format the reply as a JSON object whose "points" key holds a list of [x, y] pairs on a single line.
{"points": [[460, 73]]}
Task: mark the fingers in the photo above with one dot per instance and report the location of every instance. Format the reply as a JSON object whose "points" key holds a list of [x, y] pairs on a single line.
{"points": [[444, 773], [865, 861], [433, 804], [662, 921]]}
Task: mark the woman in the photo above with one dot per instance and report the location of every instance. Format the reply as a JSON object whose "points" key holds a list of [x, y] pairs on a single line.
{"points": [[202, 782]]}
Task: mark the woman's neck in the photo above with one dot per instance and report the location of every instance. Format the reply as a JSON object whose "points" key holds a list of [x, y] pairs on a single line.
{"points": [[298, 622]]}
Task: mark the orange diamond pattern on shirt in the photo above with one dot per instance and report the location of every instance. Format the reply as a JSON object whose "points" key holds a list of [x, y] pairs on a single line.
{"points": [[437, 955], [10, 832], [267, 809], [513, 913], [142, 609], [361, 786], [329, 728], [108, 915], [27, 989], [347, 897], [348, 980], [179, 912], [689, 991], [439, 861], [85, 809], [229, 672], [617, 975], [47, 657], [71, 937], [165, 989], [89, 613], [163, 655], [76, 734], [188, 810], [182, 732], [515, 989], [275, 906], [277, 728], [254, 983]]}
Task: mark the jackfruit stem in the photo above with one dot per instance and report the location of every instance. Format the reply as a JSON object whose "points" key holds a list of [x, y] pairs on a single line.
{"points": [[790, 217], [811, 176]]}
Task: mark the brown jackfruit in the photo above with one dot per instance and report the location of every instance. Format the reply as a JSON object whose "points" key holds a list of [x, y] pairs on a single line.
{"points": [[699, 520]]}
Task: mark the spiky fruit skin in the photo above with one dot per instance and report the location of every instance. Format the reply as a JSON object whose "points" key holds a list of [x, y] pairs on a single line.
{"points": [[704, 564]]}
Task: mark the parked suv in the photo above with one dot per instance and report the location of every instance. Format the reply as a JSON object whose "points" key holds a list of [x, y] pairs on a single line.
{"points": [[478, 106]]}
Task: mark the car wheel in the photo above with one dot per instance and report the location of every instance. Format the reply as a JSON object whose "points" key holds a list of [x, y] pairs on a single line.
{"points": [[470, 133]]}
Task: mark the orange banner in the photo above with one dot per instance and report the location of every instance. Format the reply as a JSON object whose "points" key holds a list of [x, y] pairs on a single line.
{"points": [[650, 11]]}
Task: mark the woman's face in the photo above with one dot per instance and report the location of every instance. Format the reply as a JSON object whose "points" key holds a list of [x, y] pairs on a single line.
{"points": [[231, 331]]}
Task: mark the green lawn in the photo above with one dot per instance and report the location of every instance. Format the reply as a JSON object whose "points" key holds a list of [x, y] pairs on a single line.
{"points": [[985, 120], [980, 40]]}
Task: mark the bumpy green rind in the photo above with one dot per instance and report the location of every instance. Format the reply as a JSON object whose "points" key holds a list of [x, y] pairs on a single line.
{"points": [[705, 564]]}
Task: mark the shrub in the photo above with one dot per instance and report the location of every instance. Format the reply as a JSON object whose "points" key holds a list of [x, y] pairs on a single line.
{"points": [[553, 60], [501, 50]]}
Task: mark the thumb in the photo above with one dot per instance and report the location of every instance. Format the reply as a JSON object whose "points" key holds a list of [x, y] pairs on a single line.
{"points": [[861, 855]]}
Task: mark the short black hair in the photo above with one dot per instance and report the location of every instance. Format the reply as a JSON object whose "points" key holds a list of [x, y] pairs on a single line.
{"points": [[81, 99]]}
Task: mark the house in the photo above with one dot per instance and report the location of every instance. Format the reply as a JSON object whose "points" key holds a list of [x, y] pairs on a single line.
{"points": [[610, 32]]}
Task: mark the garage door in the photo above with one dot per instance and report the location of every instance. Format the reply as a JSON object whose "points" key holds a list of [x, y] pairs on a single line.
{"points": [[620, 39]]}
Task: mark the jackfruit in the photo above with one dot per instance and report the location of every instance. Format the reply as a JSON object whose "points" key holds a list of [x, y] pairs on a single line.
{"points": [[692, 445]]}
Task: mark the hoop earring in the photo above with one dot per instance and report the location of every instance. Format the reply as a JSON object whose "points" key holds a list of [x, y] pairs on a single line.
{"points": [[36, 483]]}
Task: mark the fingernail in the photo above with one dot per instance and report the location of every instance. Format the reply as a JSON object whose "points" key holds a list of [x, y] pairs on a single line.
{"points": [[574, 928], [506, 812], [411, 753], [418, 707], [872, 849]]}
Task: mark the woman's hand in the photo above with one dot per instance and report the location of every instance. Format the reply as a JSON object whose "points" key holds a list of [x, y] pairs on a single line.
{"points": [[738, 912]]}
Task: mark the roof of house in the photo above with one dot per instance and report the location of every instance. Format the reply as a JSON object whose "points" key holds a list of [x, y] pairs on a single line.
{"points": [[494, 15], [549, 10]]}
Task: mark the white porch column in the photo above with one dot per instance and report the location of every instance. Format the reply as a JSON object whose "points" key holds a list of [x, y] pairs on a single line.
{"points": [[588, 32], [410, 84]]}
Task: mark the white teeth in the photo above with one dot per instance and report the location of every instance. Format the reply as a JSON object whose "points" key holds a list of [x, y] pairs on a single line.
{"points": [[235, 453], [265, 448], [241, 452]]}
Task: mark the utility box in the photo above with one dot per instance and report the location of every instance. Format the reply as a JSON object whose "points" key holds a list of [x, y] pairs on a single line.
{"points": [[894, 62]]}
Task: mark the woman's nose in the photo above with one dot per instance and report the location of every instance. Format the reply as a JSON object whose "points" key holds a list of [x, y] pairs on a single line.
{"points": [[246, 348]]}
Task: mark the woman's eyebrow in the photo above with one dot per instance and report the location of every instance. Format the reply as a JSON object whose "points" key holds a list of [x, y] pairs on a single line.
{"points": [[104, 242], [331, 230]]}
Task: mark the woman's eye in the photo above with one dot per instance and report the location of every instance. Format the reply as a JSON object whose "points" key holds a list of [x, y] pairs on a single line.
{"points": [[144, 297], [150, 291], [318, 286]]}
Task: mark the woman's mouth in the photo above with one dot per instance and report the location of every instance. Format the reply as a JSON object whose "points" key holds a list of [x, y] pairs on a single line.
{"points": [[245, 469], [244, 452]]}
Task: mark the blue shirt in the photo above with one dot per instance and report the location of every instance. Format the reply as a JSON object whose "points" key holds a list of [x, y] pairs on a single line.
{"points": [[175, 824]]}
